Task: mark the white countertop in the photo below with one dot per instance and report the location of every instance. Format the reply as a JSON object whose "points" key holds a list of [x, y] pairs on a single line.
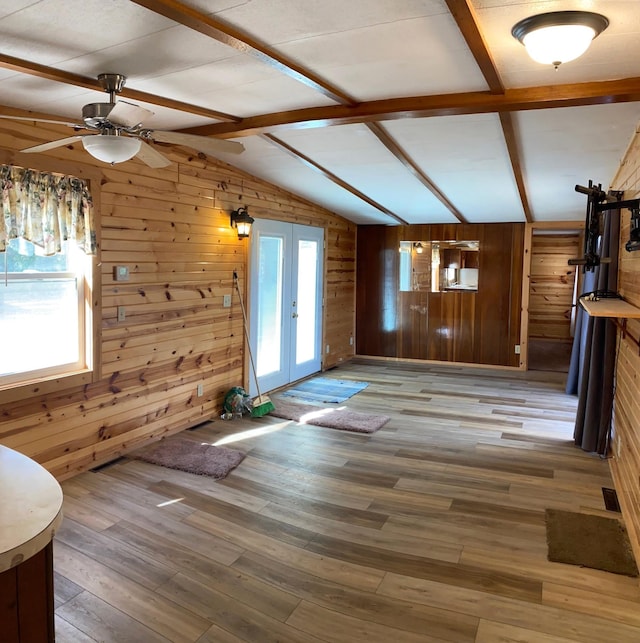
{"points": [[30, 508]]}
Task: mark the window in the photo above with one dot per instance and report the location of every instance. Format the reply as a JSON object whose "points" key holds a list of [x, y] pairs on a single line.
{"points": [[439, 266], [46, 277], [42, 312]]}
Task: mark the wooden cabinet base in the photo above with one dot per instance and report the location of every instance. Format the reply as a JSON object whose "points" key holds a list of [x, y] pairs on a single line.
{"points": [[26, 600]]}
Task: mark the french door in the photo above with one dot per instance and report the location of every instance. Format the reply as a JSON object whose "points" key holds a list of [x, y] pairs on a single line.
{"points": [[285, 304]]}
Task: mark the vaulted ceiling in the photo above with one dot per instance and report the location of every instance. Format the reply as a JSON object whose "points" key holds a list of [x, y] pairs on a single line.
{"points": [[383, 111]]}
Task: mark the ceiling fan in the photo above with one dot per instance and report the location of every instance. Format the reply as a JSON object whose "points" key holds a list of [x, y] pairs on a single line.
{"points": [[120, 134]]}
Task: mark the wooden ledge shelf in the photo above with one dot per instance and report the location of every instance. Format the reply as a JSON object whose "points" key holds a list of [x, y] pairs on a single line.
{"points": [[611, 307]]}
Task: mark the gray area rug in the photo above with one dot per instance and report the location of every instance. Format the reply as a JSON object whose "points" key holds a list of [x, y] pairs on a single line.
{"points": [[330, 417], [191, 456], [589, 541]]}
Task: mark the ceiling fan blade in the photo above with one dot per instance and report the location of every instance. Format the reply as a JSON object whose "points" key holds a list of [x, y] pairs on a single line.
{"points": [[152, 157], [53, 144], [204, 144], [128, 114], [41, 120]]}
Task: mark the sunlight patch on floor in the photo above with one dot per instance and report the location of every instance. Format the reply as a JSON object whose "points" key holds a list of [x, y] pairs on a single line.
{"points": [[250, 433], [312, 415], [170, 502]]}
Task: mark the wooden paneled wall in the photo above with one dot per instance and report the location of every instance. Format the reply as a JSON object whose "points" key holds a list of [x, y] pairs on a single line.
{"points": [[480, 327], [552, 285], [171, 228], [625, 463]]}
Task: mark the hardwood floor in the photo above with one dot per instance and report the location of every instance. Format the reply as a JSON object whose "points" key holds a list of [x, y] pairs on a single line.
{"points": [[431, 529]]}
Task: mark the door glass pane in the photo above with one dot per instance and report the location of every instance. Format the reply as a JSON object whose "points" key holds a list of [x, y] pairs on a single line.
{"points": [[269, 305], [306, 301]]}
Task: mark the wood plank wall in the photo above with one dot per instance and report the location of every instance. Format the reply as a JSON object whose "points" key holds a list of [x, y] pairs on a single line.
{"points": [[552, 285], [625, 464], [171, 228], [480, 327]]}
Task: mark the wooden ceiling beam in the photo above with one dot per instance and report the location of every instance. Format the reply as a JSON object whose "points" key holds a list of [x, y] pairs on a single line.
{"points": [[511, 140], [332, 177], [243, 43], [404, 158], [60, 76], [465, 16], [512, 100]]}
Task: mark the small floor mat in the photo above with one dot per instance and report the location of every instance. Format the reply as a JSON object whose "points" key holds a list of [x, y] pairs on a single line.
{"points": [[325, 389], [330, 417], [191, 456], [589, 541]]}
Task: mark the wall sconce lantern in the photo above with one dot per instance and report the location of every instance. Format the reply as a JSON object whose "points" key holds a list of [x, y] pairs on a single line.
{"points": [[418, 247], [241, 220], [559, 36]]}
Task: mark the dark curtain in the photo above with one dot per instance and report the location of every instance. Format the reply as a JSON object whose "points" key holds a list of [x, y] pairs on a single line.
{"points": [[592, 368]]}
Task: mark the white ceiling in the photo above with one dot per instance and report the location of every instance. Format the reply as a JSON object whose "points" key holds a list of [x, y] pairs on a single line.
{"points": [[367, 50]]}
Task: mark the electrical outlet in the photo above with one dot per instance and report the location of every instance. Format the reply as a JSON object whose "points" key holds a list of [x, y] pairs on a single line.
{"points": [[326, 350], [121, 314], [517, 349], [226, 301], [350, 341], [200, 390]]}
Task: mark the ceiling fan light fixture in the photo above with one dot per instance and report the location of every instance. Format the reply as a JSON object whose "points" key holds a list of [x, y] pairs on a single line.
{"points": [[559, 36], [111, 148]]}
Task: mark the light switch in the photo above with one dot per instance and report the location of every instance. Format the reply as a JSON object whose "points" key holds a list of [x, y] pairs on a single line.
{"points": [[121, 273]]}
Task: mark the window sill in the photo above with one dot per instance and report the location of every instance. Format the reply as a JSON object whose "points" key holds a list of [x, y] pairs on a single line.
{"points": [[45, 385]]}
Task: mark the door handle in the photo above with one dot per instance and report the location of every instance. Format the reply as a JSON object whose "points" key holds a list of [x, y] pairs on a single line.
{"points": [[294, 315]]}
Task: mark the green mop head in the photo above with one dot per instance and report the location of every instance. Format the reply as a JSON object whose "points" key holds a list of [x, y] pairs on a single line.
{"points": [[261, 406]]}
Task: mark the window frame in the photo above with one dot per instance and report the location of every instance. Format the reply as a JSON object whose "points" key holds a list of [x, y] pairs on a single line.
{"points": [[92, 287]]}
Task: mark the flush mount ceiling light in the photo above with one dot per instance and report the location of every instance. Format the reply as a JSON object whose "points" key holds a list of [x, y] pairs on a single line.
{"points": [[560, 36], [111, 148]]}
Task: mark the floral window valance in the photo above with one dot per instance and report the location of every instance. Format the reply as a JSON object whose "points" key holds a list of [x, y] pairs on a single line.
{"points": [[46, 209]]}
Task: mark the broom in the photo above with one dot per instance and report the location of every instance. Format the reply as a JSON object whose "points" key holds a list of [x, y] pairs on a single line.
{"points": [[262, 404]]}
